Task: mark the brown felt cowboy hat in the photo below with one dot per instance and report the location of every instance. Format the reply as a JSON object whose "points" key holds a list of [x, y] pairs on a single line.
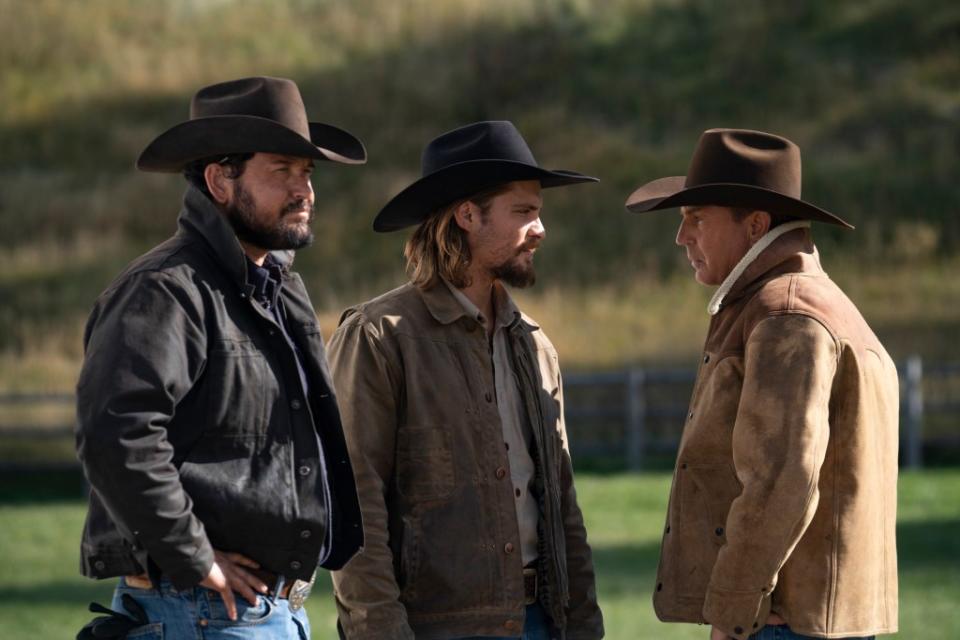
{"points": [[463, 162], [259, 114], [736, 168]]}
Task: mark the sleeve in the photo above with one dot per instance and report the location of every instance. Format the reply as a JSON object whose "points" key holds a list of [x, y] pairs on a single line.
{"points": [[584, 619], [779, 443], [366, 590], [144, 349]]}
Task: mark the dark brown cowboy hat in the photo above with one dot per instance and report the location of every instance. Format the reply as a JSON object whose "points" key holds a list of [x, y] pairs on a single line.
{"points": [[463, 162], [736, 168], [258, 114]]}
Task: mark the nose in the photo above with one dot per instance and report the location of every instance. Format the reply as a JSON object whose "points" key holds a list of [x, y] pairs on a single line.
{"points": [[301, 187], [683, 237], [537, 230]]}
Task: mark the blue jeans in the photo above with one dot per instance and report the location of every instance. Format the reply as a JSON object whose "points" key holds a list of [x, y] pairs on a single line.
{"points": [[199, 614], [783, 632], [536, 626]]}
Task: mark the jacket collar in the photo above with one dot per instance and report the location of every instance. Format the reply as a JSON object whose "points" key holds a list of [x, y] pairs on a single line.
{"points": [[792, 252], [201, 216], [446, 308]]}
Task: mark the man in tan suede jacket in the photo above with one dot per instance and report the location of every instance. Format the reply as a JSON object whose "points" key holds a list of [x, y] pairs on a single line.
{"points": [[781, 521], [452, 407]]}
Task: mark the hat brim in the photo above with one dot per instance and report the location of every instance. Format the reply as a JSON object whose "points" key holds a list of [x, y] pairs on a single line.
{"points": [[421, 199], [668, 193], [200, 138]]}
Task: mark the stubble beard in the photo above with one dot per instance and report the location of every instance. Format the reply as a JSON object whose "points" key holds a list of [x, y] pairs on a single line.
{"points": [[278, 236], [516, 272]]}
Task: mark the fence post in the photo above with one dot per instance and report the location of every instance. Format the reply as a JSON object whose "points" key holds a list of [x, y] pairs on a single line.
{"points": [[636, 417], [914, 436]]}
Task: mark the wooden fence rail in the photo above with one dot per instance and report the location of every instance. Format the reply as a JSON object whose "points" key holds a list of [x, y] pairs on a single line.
{"points": [[626, 415]]}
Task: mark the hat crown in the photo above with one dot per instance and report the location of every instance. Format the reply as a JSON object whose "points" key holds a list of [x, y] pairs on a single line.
{"points": [[490, 140], [742, 156], [276, 99]]}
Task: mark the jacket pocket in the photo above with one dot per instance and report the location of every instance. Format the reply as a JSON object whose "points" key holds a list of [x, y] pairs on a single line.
{"points": [[424, 463], [706, 491], [237, 385]]}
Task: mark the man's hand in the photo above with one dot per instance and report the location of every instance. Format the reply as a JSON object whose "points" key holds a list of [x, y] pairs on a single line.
{"points": [[228, 575], [716, 634]]}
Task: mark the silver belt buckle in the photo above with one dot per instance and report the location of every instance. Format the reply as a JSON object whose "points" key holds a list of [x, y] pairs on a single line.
{"points": [[300, 591]]}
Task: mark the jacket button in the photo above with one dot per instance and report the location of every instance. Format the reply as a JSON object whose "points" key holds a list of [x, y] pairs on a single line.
{"points": [[706, 358], [501, 473], [488, 397], [738, 630], [305, 534], [668, 529], [690, 416], [508, 548], [719, 532], [304, 470], [295, 404], [683, 466], [659, 586], [99, 565], [295, 565], [511, 625]]}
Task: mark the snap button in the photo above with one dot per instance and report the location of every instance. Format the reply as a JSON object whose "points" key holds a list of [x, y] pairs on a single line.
{"points": [[518, 492], [295, 404], [690, 416], [501, 473], [706, 358], [508, 548], [305, 534], [294, 565], [719, 531], [304, 470], [99, 565]]}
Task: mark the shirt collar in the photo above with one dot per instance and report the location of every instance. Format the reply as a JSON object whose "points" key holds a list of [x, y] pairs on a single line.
{"points": [[505, 309]]}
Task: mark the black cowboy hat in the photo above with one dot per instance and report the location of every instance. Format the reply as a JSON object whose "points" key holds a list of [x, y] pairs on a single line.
{"points": [[736, 168], [259, 114], [463, 162]]}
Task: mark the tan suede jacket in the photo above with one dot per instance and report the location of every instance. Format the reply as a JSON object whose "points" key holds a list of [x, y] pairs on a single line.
{"points": [[442, 558], [784, 492]]}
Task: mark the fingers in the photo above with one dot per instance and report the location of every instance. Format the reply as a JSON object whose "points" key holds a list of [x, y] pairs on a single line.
{"points": [[238, 578], [217, 580]]}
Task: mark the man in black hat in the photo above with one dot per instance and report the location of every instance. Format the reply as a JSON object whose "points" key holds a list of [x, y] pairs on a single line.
{"points": [[453, 409], [207, 425], [782, 513]]}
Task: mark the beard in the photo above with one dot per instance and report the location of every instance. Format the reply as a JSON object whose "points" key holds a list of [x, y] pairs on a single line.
{"points": [[516, 272], [276, 236]]}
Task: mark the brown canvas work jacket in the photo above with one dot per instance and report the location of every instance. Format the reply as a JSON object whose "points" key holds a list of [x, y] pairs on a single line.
{"points": [[784, 492], [442, 558]]}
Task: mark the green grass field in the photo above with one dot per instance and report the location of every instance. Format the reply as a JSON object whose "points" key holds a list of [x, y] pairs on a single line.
{"points": [[42, 596]]}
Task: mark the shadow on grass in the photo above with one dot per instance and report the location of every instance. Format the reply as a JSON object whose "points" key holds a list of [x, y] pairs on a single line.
{"points": [[928, 544]]}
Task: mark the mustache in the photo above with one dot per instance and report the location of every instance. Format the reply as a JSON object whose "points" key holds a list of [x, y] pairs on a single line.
{"points": [[297, 206]]}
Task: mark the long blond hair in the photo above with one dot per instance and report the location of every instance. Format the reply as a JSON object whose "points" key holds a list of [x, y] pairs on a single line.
{"points": [[438, 247]]}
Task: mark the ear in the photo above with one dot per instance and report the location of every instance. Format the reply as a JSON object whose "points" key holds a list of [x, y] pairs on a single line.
{"points": [[758, 223], [467, 215], [221, 187]]}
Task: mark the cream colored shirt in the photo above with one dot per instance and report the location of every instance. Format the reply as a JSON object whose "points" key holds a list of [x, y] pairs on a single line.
{"points": [[517, 436]]}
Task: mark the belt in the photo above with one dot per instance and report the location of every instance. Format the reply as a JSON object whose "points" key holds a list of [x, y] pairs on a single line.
{"points": [[295, 592], [529, 585]]}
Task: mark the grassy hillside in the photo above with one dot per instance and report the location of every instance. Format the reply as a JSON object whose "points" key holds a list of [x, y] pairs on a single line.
{"points": [[615, 88]]}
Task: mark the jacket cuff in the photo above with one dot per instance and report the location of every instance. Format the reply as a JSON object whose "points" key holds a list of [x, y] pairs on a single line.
{"points": [[736, 613], [400, 631], [194, 571]]}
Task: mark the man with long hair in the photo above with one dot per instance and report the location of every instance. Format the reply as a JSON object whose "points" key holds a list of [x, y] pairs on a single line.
{"points": [[453, 411]]}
